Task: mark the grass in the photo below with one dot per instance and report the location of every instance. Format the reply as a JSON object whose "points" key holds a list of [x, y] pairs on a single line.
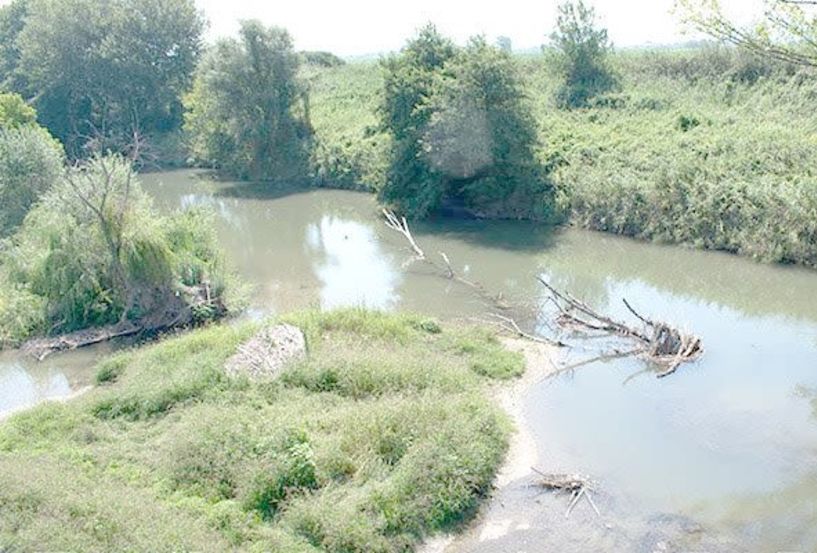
{"points": [[705, 147], [382, 436]]}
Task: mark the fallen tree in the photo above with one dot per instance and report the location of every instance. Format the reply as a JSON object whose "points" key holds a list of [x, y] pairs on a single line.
{"points": [[180, 309], [656, 341]]}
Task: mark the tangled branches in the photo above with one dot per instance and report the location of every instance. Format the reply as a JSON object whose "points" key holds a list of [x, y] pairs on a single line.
{"points": [[657, 341]]}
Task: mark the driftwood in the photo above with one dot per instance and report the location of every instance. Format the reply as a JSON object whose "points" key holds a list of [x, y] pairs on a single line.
{"points": [[177, 310], [578, 486], [660, 343], [446, 270]]}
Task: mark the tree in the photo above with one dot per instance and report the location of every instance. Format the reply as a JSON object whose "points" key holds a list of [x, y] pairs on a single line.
{"points": [[787, 32], [462, 130], [94, 252], [582, 51], [481, 138], [504, 43], [405, 115], [102, 68], [247, 114], [31, 161]]}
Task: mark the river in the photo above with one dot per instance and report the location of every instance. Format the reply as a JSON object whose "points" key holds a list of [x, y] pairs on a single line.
{"points": [[724, 451]]}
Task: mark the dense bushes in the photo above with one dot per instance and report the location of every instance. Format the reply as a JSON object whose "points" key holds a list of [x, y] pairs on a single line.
{"points": [[247, 114], [30, 163], [93, 251], [403, 444], [461, 130]]}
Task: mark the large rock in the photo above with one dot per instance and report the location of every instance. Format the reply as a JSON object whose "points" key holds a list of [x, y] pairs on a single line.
{"points": [[266, 353]]}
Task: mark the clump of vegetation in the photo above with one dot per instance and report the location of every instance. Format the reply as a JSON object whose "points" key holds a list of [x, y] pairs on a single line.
{"points": [[382, 436], [31, 161], [462, 131], [581, 56], [14, 112], [94, 252], [248, 114], [322, 59], [405, 114]]}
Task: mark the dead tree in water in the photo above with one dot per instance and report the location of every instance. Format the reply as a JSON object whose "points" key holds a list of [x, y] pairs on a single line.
{"points": [[658, 342], [399, 224]]}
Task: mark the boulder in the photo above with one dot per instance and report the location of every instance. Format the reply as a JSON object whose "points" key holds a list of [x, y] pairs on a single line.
{"points": [[266, 353]]}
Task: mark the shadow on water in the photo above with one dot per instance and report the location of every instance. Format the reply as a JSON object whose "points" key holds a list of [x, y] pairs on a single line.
{"points": [[517, 236]]}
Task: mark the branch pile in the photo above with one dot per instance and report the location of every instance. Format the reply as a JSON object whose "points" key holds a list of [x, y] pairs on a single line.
{"points": [[578, 486], [660, 343]]}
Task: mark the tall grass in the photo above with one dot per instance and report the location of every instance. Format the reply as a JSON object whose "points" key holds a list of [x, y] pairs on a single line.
{"points": [[381, 436]]}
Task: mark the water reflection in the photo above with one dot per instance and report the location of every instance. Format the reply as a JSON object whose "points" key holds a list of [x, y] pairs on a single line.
{"points": [[351, 265], [24, 381]]}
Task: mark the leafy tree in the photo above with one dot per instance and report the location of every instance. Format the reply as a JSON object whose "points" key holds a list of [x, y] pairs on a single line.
{"points": [[111, 69], [581, 54], [787, 31], [504, 43], [481, 138], [12, 21], [462, 131], [247, 112], [94, 251], [404, 112], [31, 161], [14, 112]]}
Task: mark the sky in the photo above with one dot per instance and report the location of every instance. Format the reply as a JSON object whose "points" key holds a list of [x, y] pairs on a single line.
{"points": [[360, 27]]}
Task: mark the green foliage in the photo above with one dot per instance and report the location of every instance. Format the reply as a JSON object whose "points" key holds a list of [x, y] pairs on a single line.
{"points": [[694, 156], [95, 252], [248, 114], [14, 112], [12, 21], [462, 131], [581, 53], [323, 59], [481, 138], [30, 163], [103, 71], [277, 465]]}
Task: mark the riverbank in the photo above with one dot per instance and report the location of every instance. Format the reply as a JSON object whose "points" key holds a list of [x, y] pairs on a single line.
{"points": [[384, 434], [703, 147]]}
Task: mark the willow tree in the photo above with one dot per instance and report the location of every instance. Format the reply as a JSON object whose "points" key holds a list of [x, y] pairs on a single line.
{"points": [[786, 32], [94, 252], [247, 114]]}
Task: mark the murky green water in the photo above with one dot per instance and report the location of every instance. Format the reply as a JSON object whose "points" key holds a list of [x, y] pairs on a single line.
{"points": [[730, 442]]}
